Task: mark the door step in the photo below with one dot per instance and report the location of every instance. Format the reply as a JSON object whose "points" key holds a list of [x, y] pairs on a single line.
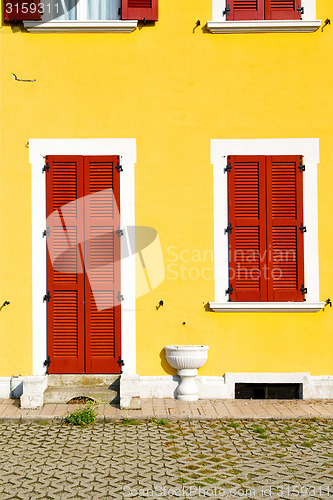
{"points": [[63, 388]]}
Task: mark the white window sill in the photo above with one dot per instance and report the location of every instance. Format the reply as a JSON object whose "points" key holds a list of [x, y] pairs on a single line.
{"points": [[263, 26], [81, 26], [266, 306]]}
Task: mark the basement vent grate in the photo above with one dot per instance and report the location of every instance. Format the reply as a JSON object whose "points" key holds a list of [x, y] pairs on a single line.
{"points": [[269, 391]]}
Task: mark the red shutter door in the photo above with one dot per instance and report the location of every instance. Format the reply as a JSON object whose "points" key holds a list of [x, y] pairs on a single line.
{"points": [[245, 10], [284, 238], [282, 9], [140, 9], [247, 238], [102, 262], [22, 10], [65, 282]]}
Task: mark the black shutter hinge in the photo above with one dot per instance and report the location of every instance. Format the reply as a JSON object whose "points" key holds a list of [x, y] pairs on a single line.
{"points": [[228, 167], [47, 297], [300, 9], [227, 10], [46, 167], [46, 232], [47, 362], [119, 167], [119, 231], [301, 167], [119, 12], [229, 292], [302, 228], [304, 290], [120, 297], [328, 303], [120, 363], [229, 228]]}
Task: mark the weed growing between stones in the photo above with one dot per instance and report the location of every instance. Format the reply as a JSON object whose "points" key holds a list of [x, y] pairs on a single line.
{"points": [[83, 416]]}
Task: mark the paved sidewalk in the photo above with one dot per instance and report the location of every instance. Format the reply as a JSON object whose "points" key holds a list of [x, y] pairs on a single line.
{"points": [[173, 409]]}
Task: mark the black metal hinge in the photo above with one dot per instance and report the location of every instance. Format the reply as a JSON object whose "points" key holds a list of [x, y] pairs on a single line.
{"points": [[302, 228], [120, 363], [119, 231], [301, 166], [47, 297], [119, 167], [46, 167], [304, 290], [46, 232], [227, 10], [229, 228], [300, 9], [228, 167], [120, 297], [47, 362], [229, 292]]}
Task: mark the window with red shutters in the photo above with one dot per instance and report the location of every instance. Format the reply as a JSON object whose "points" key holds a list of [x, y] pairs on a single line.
{"points": [[22, 10], [83, 264], [249, 10], [143, 10], [265, 200]]}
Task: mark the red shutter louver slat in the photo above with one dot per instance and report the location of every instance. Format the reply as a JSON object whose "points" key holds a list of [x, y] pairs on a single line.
{"points": [[247, 238], [282, 9], [22, 10], [102, 261], [245, 10], [284, 238], [140, 10], [65, 282]]}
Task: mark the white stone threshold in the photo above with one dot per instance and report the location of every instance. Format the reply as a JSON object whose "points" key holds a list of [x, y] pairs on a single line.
{"points": [[81, 26], [266, 306], [136, 386], [263, 26]]}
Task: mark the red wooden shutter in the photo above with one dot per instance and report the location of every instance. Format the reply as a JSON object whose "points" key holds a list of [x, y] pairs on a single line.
{"points": [[244, 10], [65, 283], [282, 9], [284, 237], [102, 262], [247, 238], [139, 9], [22, 10]]}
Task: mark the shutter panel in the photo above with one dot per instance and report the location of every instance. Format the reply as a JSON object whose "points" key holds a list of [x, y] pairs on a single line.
{"points": [[284, 238], [140, 10], [65, 280], [102, 262], [282, 9], [22, 10], [247, 239], [245, 10]]}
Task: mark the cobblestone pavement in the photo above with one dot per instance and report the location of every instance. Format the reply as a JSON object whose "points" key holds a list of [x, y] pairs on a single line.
{"points": [[160, 459]]}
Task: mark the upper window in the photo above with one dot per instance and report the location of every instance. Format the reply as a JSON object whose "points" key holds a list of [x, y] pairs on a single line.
{"points": [[106, 15], [250, 16]]}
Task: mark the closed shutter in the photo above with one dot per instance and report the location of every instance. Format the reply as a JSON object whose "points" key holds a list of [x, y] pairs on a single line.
{"points": [[247, 220], [284, 219], [140, 10], [282, 9], [244, 10], [102, 263], [22, 10], [65, 282]]}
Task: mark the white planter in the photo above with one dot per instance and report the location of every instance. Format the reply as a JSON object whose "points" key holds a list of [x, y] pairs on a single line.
{"points": [[187, 359]]}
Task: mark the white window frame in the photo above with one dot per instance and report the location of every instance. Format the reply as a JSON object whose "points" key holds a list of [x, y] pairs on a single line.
{"points": [[307, 24], [309, 149], [38, 149], [82, 24]]}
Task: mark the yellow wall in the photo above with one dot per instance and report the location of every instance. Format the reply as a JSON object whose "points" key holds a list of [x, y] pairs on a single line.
{"points": [[173, 90]]}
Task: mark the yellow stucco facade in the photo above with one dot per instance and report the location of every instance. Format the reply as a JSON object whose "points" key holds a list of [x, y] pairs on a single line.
{"points": [[172, 88]]}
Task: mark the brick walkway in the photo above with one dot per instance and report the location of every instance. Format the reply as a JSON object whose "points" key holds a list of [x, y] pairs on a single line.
{"points": [[174, 409]]}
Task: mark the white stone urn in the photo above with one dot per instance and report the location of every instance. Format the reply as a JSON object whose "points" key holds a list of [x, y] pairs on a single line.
{"points": [[187, 359]]}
